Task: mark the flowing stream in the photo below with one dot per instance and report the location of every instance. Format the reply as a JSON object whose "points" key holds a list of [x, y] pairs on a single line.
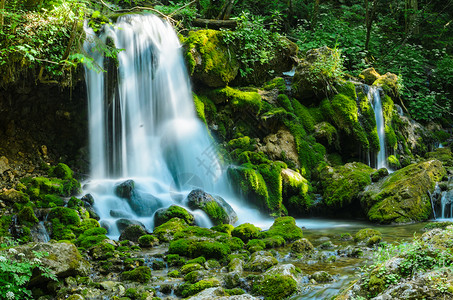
{"points": [[143, 127]]}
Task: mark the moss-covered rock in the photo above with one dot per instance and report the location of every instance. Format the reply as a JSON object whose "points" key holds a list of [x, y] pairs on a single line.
{"points": [[389, 83], [164, 215], [393, 162], [238, 100], [260, 261], [342, 185], [302, 246], [166, 231], [26, 216], [61, 171], [147, 241], [217, 209], [246, 232], [199, 286], [91, 237], [379, 174], [403, 196], [132, 233], [209, 59], [295, 191], [364, 234], [140, 274], [275, 287], [369, 75], [442, 154], [327, 135], [284, 227]]}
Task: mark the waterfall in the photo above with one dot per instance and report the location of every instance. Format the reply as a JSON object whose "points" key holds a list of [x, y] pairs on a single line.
{"points": [[374, 96], [144, 130]]}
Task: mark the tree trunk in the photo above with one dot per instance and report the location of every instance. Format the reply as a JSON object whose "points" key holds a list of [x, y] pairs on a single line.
{"points": [[411, 7], [369, 18], [2, 6], [225, 12], [314, 16], [214, 24]]}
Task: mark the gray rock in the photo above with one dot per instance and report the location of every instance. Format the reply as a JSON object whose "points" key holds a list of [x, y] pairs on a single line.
{"points": [[218, 210]]}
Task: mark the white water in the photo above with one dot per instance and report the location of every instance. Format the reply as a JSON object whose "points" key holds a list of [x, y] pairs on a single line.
{"points": [[145, 128], [374, 96]]}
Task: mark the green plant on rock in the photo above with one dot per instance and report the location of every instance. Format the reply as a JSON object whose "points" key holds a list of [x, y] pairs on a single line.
{"points": [[16, 270]]}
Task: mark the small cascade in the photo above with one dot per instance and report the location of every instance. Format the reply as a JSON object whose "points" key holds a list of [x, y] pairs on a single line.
{"points": [[373, 94], [39, 233], [442, 201], [148, 149]]}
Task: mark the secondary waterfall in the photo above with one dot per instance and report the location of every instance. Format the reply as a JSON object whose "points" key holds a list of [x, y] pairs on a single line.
{"points": [[143, 127], [375, 97]]}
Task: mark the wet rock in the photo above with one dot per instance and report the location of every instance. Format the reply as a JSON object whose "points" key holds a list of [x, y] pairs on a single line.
{"points": [[141, 204], [124, 223], [321, 277], [302, 246], [163, 215], [275, 144], [218, 210], [369, 75], [219, 294], [12, 196], [403, 196], [379, 174], [63, 260], [119, 214], [285, 269], [88, 200], [132, 233], [4, 166], [260, 261]]}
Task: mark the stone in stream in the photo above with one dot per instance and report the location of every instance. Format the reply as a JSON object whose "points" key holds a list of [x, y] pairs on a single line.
{"points": [[163, 215], [218, 210], [143, 204]]}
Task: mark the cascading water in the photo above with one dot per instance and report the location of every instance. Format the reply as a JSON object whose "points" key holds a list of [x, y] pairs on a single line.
{"points": [[374, 96], [143, 127]]}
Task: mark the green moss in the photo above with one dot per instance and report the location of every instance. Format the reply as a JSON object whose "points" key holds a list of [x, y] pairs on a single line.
{"points": [[275, 287], [166, 231], [365, 234], [342, 185], [140, 274], [251, 183], [304, 116], [174, 211], [285, 227], [199, 260], [442, 136], [238, 100], [284, 102], [442, 154], [390, 137], [271, 174], [246, 232], [67, 216], [274, 241], [190, 267], [403, 196], [276, 83], [91, 237], [255, 243], [393, 162], [5, 223], [175, 260], [199, 108], [174, 274], [103, 251], [348, 89], [368, 121], [225, 228], [26, 216], [199, 286], [199, 247], [217, 67], [147, 240], [61, 171], [324, 131]]}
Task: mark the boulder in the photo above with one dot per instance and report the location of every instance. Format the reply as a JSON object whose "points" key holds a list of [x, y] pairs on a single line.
{"points": [[260, 261], [403, 196], [219, 294], [64, 260], [302, 246], [209, 59], [389, 83], [4, 166], [369, 75], [132, 233], [281, 146], [163, 215], [141, 204], [218, 210], [342, 185]]}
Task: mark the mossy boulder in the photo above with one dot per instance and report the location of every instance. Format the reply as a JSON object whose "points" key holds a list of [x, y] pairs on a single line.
{"points": [[364, 235], [209, 59], [246, 232], [148, 241], [327, 135], [379, 174], [260, 261], [132, 233], [275, 287], [369, 75], [321, 277], [302, 246], [248, 101], [166, 231], [64, 260], [295, 192], [389, 83], [61, 171], [166, 214], [140, 274], [284, 227], [403, 196], [442, 154], [12, 196], [201, 285], [217, 209], [393, 162], [342, 185]]}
